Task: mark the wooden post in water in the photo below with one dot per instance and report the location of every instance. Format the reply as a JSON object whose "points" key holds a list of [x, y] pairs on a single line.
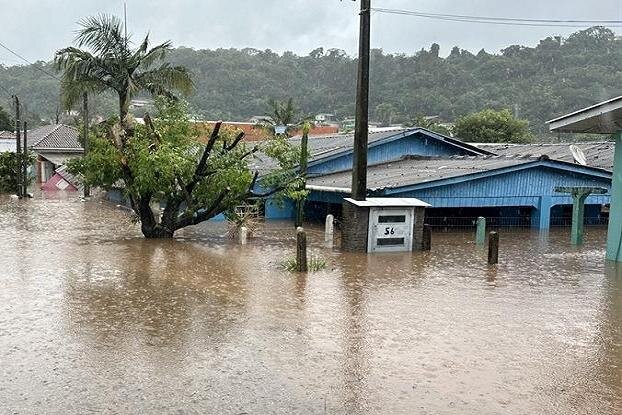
{"points": [[301, 250], [493, 248], [480, 233], [427, 237]]}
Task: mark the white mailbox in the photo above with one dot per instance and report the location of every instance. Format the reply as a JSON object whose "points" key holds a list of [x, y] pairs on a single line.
{"points": [[395, 224]]}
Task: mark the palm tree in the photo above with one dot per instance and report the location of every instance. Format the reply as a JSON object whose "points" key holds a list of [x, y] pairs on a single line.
{"points": [[281, 118], [110, 64]]}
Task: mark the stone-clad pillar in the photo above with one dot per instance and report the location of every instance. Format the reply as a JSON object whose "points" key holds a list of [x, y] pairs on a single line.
{"points": [[355, 225], [417, 237]]}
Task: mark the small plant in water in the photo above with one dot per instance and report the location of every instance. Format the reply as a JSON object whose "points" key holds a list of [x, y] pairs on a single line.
{"points": [[313, 264]]}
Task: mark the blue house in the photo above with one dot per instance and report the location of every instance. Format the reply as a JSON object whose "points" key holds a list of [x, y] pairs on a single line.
{"points": [[459, 180]]}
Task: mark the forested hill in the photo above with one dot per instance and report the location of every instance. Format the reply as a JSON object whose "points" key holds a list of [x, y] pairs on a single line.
{"points": [[538, 83]]}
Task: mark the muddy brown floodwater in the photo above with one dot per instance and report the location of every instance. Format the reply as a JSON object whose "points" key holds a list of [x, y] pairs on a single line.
{"points": [[95, 319]]}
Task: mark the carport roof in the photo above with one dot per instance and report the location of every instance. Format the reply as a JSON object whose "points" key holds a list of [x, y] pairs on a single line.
{"points": [[602, 118]]}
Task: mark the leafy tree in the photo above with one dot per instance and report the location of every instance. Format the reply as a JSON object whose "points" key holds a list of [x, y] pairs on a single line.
{"points": [[490, 126], [431, 124], [385, 113], [281, 115], [109, 64], [166, 162], [6, 122], [9, 163]]}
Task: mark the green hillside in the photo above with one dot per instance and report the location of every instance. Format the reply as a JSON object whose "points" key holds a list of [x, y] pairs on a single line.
{"points": [[536, 83]]}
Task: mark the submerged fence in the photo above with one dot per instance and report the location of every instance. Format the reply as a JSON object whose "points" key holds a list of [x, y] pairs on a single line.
{"points": [[456, 222]]}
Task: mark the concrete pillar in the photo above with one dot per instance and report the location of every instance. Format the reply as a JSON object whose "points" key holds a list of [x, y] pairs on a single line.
{"points": [[243, 235], [614, 232], [329, 230], [578, 218], [480, 233], [541, 217]]}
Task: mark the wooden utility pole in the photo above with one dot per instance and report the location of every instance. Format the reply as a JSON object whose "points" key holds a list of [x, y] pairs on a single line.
{"points": [[25, 162], [18, 138], [361, 129], [85, 144]]}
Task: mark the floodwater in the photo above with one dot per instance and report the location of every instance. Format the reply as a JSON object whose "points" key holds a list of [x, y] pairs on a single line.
{"points": [[95, 319]]}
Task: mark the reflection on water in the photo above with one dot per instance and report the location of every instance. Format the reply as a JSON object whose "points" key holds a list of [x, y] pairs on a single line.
{"points": [[93, 318]]}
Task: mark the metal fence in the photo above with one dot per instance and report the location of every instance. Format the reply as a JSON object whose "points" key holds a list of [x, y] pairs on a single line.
{"points": [[454, 222]]}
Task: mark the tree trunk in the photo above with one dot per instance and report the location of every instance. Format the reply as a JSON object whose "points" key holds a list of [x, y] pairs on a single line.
{"points": [[148, 225]]}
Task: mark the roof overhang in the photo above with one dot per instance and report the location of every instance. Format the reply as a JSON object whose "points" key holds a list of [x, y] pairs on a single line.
{"points": [[388, 202], [602, 118]]}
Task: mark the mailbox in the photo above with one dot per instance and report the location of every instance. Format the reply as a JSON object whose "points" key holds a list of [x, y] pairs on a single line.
{"points": [[393, 225]]}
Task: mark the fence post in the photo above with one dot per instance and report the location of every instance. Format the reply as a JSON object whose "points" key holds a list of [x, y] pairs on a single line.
{"points": [[301, 250], [426, 244], [329, 229], [480, 234], [493, 248], [243, 235]]}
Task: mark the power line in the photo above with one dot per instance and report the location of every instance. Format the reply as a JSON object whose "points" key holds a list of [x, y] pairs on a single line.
{"points": [[28, 62], [508, 21]]}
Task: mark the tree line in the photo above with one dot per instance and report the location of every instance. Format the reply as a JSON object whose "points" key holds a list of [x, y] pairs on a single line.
{"points": [[537, 83]]}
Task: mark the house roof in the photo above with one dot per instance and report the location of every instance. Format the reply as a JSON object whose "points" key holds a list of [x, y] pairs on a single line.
{"points": [[57, 138], [327, 146], [602, 118], [413, 171], [9, 135], [598, 154]]}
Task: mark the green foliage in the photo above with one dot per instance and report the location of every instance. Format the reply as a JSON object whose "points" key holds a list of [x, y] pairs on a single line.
{"points": [[490, 126], [109, 64], [553, 78], [314, 264], [6, 122], [431, 124], [160, 161], [8, 171]]}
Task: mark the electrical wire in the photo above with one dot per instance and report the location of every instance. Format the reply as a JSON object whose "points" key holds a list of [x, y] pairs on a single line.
{"points": [[28, 62], [508, 21]]}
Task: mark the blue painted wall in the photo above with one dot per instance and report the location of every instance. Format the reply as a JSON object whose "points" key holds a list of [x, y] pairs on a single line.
{"points": [[284, 210], [414, 144], [530, 187]]}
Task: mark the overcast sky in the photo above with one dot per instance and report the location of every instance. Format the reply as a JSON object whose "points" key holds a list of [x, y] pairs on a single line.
{"points": [[36, 28]]}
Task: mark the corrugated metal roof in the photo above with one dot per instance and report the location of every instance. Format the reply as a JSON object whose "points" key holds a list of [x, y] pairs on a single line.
{"points": [[412, 171], [74, 180], [54, 137], [598, 154], [329, 145]]}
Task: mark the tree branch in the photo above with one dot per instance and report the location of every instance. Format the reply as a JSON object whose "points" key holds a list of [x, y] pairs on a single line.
{"points": [[272, 191], [239, 138], [206, 214]]}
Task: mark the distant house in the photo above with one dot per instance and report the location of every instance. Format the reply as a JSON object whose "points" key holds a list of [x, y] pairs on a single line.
{"points": [[7, 141], [54, 145]]}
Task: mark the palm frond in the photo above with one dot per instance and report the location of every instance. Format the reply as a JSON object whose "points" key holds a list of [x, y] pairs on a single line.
{"points": [[164, 79], [103, 34]]}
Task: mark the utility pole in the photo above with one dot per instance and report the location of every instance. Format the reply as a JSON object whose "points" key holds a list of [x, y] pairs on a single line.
{"points": [[18, 138], [25, 161], [361, 129], [85, 144]]}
